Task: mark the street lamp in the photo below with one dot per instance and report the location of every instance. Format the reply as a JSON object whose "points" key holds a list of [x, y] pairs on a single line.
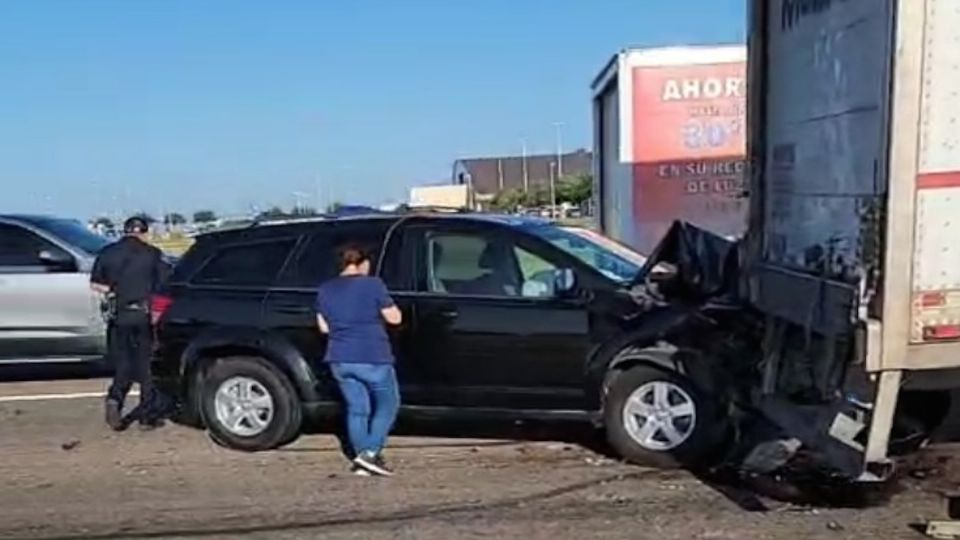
{"points": [[553, 190], [526, 175], [557, 126], [298, 206]]}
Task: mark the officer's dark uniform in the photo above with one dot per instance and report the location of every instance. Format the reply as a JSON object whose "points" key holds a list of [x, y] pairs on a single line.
{"points": [[133, 270]]}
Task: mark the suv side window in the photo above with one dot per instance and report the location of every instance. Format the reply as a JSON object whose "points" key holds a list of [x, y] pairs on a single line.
{"points": [[538, 274], [20, 247], [316, 261], [247, 265], [477, 264]]}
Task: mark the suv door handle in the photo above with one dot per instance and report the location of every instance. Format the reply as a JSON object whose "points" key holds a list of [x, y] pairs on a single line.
{"points": [[449, 314], [292, 309]]}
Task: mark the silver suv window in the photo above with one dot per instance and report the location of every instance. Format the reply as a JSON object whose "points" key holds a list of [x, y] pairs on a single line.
{"points": [[21, 248], [73, 232]]}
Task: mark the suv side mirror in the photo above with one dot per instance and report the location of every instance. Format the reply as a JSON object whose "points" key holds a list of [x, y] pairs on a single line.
{"points": [[564, 281], [57, 260]]}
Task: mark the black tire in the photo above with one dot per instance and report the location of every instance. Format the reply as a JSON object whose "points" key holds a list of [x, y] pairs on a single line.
{"points": [[188, 410], [703, 431], [284, 425], [919, 416]]}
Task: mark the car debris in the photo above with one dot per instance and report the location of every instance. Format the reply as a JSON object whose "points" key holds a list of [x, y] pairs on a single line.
{"points": [[70, 445], [768, 457], [950, 528]]}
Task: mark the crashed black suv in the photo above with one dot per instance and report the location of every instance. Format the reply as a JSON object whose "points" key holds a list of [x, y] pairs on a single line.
{"points": [[503, 317]]}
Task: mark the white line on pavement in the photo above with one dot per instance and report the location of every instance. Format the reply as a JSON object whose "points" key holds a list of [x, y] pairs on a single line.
{"points": [[54, 397]]}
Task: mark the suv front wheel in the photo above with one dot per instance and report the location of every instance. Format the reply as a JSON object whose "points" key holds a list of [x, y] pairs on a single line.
{"points": [[658, 418], [248, 404]]}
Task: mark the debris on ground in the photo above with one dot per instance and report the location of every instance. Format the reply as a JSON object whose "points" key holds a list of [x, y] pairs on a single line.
{"points": [[769, 456], [70, 445], [558, 447], [924, 473]]}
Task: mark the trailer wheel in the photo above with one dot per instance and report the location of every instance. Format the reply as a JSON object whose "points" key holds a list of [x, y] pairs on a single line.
{"points": [[659, 418]]}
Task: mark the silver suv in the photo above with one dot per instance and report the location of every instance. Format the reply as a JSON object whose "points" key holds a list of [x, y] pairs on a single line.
{"points": [[47, 311]]}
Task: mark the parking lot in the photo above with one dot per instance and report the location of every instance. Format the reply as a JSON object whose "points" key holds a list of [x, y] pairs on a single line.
{"points": [[66, 476]]}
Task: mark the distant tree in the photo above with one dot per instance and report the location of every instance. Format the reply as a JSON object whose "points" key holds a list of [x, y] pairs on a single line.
{"points": [[509, 200], [174, 219], [539, 196], [303, 211], [273, 213], [575, 190], [146, 217], [204, 216], [333, 207]]}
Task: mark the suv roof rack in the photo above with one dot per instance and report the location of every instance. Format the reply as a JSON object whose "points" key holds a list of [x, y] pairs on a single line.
{"points": [[346, 213], [407, 209]]}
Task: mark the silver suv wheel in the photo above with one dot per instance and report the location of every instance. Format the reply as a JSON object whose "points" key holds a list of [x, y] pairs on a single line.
{"points": [[659, 416], [243, 406]]}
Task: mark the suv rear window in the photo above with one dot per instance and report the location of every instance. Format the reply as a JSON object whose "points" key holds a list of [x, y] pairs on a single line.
{"points": [[317, 260], [246, 265]]}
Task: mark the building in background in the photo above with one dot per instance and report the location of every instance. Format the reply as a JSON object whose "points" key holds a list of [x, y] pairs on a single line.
{"points": [[487, 176], [669, 138], [441, 196]]}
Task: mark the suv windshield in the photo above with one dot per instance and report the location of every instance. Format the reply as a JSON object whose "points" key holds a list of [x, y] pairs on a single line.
{"points": [[612, 259], [74, 233]]}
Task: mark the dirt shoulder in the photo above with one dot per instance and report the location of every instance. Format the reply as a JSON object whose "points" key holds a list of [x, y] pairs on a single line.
{"points": [[65, 476]]}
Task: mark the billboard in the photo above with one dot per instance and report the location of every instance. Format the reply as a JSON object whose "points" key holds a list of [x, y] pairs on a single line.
{"points": [[688, 147]]}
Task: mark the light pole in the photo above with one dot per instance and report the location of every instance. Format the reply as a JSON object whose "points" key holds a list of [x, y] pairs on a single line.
{"points": [[318, 185], [526, 175], [557, 126], [298, 207], [553, 190]]}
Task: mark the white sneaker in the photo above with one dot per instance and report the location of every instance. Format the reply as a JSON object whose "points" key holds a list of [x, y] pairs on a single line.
{"points": [[360, 471], [373, 463]]}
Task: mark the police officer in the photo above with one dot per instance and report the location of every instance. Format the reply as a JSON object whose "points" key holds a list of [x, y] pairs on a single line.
{"points": [[127, 273]]}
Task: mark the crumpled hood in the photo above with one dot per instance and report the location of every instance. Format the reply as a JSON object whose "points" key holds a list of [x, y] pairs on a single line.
{"points": [[707, 265]]}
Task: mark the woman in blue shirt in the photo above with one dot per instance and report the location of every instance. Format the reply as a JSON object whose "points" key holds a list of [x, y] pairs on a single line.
{"points": [[352, 309]]}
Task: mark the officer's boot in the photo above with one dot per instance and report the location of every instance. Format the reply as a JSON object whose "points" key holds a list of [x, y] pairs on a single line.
{"points": [[113, 415]]}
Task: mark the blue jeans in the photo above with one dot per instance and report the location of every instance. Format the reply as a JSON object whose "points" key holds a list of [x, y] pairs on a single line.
{"points": [[372, 400]]}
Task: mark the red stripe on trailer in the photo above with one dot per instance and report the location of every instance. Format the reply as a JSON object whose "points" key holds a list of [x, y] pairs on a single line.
{"points": [[938, 180], [933, 299], [945, 331]]}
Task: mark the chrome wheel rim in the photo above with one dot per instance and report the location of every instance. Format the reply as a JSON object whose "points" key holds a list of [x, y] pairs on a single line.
{"points": [[660, 416], [243, 406]]}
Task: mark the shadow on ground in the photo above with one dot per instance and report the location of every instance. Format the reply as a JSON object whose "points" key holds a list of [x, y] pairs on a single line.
{"points": [[801, 483], [373, 517], [53, 371]]}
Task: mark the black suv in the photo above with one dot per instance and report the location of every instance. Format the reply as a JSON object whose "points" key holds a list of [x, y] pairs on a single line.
{"points": [[504, 317]]}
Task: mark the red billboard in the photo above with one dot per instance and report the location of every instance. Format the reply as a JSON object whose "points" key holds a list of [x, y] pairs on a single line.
{"points": [[688, 148]]}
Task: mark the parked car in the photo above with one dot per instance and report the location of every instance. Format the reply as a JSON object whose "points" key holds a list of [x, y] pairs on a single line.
{"points": [[47, 311], [506, 317]]}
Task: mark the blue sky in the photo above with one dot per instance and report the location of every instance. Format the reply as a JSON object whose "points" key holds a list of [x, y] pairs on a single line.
{"points": [[188, 104]]}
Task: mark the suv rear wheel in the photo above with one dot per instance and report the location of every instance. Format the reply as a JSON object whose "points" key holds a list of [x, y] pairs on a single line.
{"points": [[657, 417], [248, 404]]}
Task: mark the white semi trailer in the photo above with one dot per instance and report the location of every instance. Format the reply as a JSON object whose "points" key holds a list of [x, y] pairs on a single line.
{"points": [[854, 228]]}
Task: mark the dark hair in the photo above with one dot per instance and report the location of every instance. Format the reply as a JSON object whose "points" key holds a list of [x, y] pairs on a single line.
{"points": [[136, 225], [352, 255]]}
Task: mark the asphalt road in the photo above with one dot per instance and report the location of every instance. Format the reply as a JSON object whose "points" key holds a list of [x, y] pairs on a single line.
{"points": [[64, 475]]}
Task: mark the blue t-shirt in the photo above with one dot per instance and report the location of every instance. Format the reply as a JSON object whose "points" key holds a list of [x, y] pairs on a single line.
{"points": [[351, 306]]}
